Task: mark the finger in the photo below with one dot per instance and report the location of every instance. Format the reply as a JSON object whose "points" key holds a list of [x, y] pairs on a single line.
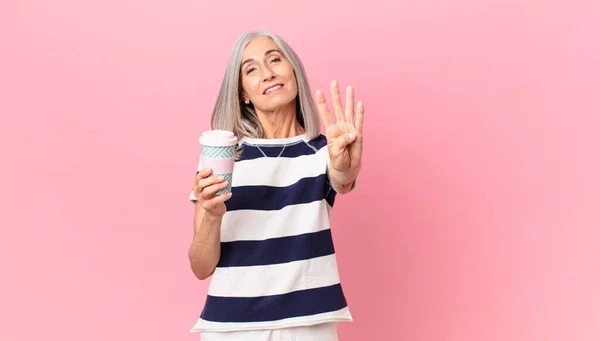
{"points": [[203, 173], [337, 102], [209, 191], [220, 198], [342, 142], [215, 201], [209, 181], [350, 104], [323, 112], [360, 116]]}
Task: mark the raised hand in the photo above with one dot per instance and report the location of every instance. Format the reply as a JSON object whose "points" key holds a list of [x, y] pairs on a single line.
{"points": [[344, 136]]}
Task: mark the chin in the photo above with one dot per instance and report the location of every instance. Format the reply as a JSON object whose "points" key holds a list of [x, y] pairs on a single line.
{"points": [[277, 103]]}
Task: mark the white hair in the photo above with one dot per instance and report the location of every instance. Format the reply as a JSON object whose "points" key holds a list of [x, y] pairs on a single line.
{"points": [[231, 113]]}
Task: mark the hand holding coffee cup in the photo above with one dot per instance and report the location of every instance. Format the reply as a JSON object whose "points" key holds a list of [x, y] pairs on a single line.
{"points": [[212, 186], [218, 150], [205, 188]]}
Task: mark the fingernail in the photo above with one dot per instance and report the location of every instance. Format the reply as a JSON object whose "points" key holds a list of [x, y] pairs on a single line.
{"points": [[220, 178], [351, 135]]}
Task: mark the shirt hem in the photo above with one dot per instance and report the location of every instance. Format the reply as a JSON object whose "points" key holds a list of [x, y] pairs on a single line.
{"points": [[209, 326]]}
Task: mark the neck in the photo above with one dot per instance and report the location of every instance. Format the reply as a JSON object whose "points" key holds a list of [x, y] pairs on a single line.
{"points": [[280, 123]]}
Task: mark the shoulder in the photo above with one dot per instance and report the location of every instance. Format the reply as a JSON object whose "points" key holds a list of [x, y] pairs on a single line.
{"points": [[318, 142]]}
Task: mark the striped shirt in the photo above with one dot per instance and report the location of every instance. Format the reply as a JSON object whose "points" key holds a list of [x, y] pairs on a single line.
{"points": [[278, 266]]}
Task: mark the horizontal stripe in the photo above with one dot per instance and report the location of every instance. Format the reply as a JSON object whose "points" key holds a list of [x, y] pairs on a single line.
{"points": [[274, 279], [275, 307], [276, 250], [279, 172], [341, 315], [274, 141], [250, 152], [318, 142], [268, 198], [289, 221]]}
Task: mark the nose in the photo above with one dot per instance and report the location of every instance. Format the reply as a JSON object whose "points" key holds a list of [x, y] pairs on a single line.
{"points": [[267, 74]]}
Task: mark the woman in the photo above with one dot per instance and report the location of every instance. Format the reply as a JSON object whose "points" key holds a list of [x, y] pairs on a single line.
{"points": [[268, 243]]}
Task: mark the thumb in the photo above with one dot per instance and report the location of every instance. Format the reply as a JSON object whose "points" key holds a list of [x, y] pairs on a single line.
{"points": [[342, 141]]}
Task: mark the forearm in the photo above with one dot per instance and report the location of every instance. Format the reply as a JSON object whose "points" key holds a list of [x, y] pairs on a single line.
{"points": [[205, 250], [343, 181]]}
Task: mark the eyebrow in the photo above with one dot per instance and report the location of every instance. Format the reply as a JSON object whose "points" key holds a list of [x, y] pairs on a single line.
{"points": [[266, 53]]}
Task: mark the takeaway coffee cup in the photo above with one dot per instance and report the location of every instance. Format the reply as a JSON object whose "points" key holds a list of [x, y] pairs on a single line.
{"points": [[218, 149]]}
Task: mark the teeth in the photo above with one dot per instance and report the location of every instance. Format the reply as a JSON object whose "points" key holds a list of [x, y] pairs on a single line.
{"points": [[273, 88]]}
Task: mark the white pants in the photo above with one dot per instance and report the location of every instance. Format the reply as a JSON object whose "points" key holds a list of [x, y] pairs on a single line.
{"points": [[319, 332]]}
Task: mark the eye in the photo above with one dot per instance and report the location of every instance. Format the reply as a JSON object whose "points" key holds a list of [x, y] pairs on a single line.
{"points": [[250, 70], [276, 59]]}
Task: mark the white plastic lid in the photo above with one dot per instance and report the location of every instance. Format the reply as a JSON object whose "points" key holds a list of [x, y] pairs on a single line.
{"points": [[218, 138]]}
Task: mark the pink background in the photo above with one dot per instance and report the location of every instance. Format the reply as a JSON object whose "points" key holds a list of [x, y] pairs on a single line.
{"points": [[477, 220]]}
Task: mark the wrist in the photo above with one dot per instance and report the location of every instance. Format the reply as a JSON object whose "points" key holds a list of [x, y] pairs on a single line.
{"points": [[344, 178], [211, 218], [343, 181], [209, 225], [205, 217], [343, 188]]}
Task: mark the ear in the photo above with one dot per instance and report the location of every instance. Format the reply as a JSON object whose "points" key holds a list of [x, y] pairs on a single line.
{"points": [[245, 97]]}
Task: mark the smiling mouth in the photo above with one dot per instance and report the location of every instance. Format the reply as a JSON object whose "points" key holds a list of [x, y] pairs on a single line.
{"points": [[273, 88]]}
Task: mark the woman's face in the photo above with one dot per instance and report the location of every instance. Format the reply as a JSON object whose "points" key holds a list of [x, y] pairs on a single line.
{"points": [[267, 77]]}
